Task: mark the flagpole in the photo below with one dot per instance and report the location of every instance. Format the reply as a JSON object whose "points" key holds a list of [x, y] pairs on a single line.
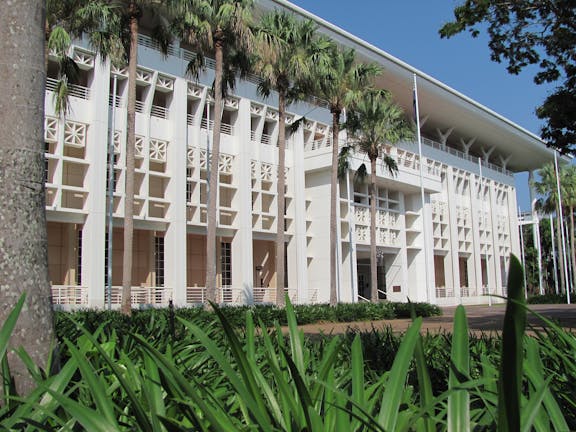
{"points": [[554, 254], [422, 196], [521, 226], [562, 237], [483, 226]]}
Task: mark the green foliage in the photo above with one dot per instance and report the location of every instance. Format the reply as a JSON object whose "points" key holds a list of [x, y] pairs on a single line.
{"points": [[155, 323], [216, 377], [550, 298], [531, 32]]}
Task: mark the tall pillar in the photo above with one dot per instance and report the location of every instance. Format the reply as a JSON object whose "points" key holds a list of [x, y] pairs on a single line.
{"points": [[479, 222], [94, 228], [175, 238], [297, 249], [242, 244], [453, 234], [493, 220]]}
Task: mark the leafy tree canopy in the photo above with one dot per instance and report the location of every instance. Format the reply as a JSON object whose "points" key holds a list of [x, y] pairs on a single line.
{"points": [[531, 32]]}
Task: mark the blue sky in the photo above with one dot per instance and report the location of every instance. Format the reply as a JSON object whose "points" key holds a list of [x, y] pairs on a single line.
{"points": [[408, 29]]}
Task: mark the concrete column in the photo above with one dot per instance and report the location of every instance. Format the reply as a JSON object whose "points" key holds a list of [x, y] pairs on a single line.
{"points": [[297, 249], [242, 244], [477, 209], [175, 238], [493, 221], [94, 228], [453, 235]]}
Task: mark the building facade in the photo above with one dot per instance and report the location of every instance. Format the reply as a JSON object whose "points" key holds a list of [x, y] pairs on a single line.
{"points": [[452, 247]]}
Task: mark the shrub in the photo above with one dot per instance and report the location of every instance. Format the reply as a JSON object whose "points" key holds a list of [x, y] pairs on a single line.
{"points": [[550, 298]]}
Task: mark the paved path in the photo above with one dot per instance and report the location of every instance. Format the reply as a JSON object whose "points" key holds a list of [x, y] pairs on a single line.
{"points": [[480, 319]]}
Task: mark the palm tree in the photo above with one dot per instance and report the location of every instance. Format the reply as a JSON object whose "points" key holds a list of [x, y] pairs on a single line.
{"points": [[67, 20], [374, 122], [287, 51], [341, 83], [119, 35], [568, 177], [23, 239], [548, 204], [221, 28]]}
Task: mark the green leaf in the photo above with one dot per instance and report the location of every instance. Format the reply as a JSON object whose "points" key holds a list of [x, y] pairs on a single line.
{"points": [[459, 400], [424, 383], [397, 378], [510, 380], [90, 419], [9, 324]]}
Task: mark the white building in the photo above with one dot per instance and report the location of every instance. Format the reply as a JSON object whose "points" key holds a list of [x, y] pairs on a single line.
{"points": [[452, 249]]}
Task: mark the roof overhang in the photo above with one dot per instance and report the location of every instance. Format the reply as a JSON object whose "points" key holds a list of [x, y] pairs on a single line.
{"points": [[441, 106]]}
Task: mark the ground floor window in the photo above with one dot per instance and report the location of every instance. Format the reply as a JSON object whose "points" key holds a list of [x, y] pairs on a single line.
{"points": [[159, 261], [79, 258], [226, 263]]}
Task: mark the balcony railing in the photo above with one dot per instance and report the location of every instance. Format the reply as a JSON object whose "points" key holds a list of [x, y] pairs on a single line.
{"points": [[119, 101], [69, 295], [140, 107], [443, 292], [462, 155], [224, 127], [142, 295], [73, 89], [158, 111], [191, 119]]}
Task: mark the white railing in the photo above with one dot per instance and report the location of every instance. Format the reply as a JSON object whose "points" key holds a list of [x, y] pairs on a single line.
{"points": [[468, 291], [224, 127], [158, 111], [118, 103], [264, 295], [195, 295], [142, 295], [148, 42], [139, 106], [266, 139], [253, 136], [69, 295], [462, 155], [73, 89], [443, 292], [191, 119]]}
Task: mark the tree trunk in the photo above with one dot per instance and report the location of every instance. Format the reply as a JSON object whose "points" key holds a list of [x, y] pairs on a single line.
{"points": [[560, 251], [211, 248], [373, 258], [572, 248], [280, 251], [23, 240], [333, 214], [129, 173]]}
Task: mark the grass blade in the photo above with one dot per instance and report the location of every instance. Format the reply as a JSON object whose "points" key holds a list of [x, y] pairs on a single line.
{"points": [[397, 378], [424, 383], [9, 324], [510, 380], [459, 399]]}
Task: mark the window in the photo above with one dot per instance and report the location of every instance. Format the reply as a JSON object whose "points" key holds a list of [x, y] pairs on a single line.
{"points": [[159, 261], [226, 263], [114, 178], [79, 259]]}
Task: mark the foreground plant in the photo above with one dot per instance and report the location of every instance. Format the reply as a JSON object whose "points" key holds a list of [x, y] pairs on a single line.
{"points": [[216, 378]]}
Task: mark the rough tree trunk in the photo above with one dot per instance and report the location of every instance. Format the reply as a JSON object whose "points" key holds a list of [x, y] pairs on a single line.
{"points": [[373, 258], [333, 203], [560, 252], [573, 247], [213, 181], [23, 243], [129, 174], [280, 252]]}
